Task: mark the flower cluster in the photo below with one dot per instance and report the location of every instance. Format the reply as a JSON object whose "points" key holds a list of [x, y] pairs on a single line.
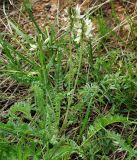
{"points": [[81, 26]]}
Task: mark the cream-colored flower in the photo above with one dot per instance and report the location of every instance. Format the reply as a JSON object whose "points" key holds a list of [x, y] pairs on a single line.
{"points": [[77, 39], [89, 27], [81, 26], [79, 31], [33, 47], [77, 12], [77, 25], [88, 21]]}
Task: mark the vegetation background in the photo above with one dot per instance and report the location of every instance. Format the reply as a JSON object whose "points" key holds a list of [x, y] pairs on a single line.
{"points": [[64, 98]]}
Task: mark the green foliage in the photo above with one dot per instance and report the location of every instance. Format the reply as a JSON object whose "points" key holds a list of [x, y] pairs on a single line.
{"points": [[121, 144], [101, 123], [20, 107], [78, 97]]}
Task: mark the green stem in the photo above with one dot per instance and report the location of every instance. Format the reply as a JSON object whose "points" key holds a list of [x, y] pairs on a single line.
{"points": [[72, 94]]}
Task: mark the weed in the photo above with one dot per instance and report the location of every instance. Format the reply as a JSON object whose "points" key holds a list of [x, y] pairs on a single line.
{"points": [[69, 84]]}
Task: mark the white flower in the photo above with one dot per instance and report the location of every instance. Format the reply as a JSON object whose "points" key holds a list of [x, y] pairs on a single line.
{"points": [[33, 47], [81, 27], [77, 39], [78, 15], [88, 21], [88, 32], [77, 25], [78, 35], [77, 11], [79, 31], [89, 27]]}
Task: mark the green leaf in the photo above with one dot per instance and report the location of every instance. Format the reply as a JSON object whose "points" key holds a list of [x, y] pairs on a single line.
{"points": [[26, 37], [101, 123], [122, 144], [63, 151], [22, 107]]}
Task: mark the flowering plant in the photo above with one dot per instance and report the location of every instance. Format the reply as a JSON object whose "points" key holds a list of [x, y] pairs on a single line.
{"points": [[81, 26]]}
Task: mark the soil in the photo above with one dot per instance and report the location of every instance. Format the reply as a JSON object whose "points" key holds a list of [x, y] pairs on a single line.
{"points": [[46, 11]]}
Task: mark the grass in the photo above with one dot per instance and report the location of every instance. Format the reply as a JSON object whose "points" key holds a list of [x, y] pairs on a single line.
{"points": [[81, 100]]}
